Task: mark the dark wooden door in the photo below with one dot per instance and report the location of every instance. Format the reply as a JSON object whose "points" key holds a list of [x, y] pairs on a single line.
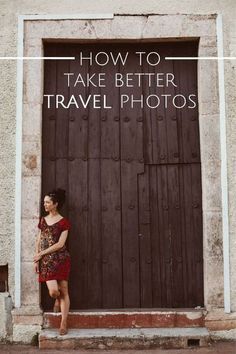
{"points": [[133, 182]]}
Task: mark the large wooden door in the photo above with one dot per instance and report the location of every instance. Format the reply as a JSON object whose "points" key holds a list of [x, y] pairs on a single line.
{"points": [[133, 182]]}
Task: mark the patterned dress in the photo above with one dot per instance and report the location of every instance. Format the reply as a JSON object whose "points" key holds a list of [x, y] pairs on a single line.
{"points": [[56, 265]]}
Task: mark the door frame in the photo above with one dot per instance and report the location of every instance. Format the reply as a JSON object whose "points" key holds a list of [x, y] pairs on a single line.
{"points": [[156, 28]]}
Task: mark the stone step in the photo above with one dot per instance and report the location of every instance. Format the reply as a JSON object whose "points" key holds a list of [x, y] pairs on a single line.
{"points": [[128, 319], [125, 338]]}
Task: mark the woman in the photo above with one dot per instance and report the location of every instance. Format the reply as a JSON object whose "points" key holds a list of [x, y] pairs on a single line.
{"points": [[52, 260]]}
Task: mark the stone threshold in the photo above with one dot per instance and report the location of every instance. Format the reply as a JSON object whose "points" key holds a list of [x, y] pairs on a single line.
{"points": [[129, 319], [132, 338]]}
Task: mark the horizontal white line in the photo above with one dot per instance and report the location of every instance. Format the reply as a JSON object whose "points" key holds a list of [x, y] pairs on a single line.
{"points": [[73, 58], [37, 58], [84, 16], [200, 58]]}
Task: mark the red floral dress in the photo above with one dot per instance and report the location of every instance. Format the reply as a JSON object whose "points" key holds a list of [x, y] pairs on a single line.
{"points": [[56, 265]]}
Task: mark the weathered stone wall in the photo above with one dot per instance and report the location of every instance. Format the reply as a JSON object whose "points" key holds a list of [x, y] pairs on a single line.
{"points": [[9, 10], [6, 326]]}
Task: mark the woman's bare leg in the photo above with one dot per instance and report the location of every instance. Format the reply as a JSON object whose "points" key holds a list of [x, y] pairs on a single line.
{"points": [[53, 288], [56, 307], [65, 304]]}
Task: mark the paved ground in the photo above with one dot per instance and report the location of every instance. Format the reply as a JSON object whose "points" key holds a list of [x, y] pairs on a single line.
{"points": [[217, 348]]}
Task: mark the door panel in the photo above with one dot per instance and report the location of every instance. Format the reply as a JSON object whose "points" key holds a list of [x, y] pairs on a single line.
{"points": [[133, 182], [170, 225]]}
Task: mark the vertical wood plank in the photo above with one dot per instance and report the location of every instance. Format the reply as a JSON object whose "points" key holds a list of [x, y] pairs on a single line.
{"points": [[49, 124], [112, 282], [176, 235], [164, 233], [130, 243], [146, 259], [189, 234], [197, 236], [111, 235], [131, 152], [48, 145], [78, 238], [78, 187], [94, 235]]}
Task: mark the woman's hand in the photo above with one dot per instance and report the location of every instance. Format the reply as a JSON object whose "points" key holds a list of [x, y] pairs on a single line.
{"points": [[37, 257], [36, 267]]}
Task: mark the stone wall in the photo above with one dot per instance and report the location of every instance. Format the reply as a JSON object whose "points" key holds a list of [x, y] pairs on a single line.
{"points": [[6, 326]]}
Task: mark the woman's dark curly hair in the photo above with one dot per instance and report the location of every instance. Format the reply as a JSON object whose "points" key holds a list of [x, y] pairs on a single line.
{"points": [[57, 196]]}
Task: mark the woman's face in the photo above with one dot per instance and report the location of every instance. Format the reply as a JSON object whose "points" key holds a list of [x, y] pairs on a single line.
{"points": [[49, 205]]}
